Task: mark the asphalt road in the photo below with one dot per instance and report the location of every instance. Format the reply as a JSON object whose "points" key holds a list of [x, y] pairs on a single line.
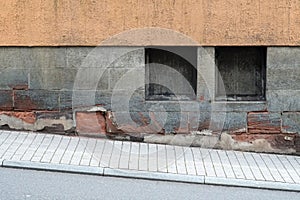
{"points": [[29, 184]]}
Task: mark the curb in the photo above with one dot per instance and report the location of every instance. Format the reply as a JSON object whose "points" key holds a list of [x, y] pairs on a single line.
{"points": [[160, 176], [252, 184], [153, 175], [53, 167]]}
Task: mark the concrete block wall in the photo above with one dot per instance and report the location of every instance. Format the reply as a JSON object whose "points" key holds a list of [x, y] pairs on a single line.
{"points": [[85, 89]]}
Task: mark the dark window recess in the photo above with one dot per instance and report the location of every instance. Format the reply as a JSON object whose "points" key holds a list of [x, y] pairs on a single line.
{"points": [[171, 73], [241, 73]]}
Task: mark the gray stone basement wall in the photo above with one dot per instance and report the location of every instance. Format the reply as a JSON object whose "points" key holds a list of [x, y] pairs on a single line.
{"points": [[79, 90]]}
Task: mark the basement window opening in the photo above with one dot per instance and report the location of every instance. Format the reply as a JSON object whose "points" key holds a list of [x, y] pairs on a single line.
{"points": [[171, 73], [241, 73]]}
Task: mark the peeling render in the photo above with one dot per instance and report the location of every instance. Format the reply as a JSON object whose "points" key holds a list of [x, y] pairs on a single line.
{"points": [[30, 123]]}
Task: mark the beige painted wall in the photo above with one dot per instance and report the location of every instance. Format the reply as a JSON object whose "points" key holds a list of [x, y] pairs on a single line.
{"points": [[90, 22]]}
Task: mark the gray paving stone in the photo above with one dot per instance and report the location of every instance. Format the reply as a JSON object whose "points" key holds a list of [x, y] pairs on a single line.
{"points": [[236, 167], [226, 164], [8, 142], [28, 154], [116, 154], [66, 158], [60, 150], [88, 151], [254, 167], [263, 168], [269, 163], [289, 168], [24, 146], [244, 165], [217, 164], [14, 147], [162, 158], [148, 161], [143, 157], [124, 158], [106, 155], [284, 173], [77, 156], [152, 157], [209, 167], [199, 164], [171, 159], [48, 154], [180, 162], [189, 161]]}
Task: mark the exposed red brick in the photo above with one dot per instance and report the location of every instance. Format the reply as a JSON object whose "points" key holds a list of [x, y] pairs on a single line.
{"points": [[280, 141], [115, 127], [19, 87], [25, 103], [90, 122], [28, 117], [263, 122]]}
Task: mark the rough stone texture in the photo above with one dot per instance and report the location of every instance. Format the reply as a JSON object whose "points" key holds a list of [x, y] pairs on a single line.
{"points": [[264, 122], [231, 121], [258, 142], [90, 22], [6, 100], [283, 70], [36, 100], [90, 123], [283, 100], [11, 78], [291, 122], [206, 74]]}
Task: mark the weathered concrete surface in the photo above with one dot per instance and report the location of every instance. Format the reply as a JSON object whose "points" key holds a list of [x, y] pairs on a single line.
{"points": [[209, 22], [37, 121], [258, 143]]}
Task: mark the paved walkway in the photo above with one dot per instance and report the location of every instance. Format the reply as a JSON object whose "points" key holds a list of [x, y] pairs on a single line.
{"points": [[149, 161]]}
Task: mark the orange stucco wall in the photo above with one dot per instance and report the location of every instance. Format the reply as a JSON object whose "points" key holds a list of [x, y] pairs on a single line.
{"points": [[89, 22]]}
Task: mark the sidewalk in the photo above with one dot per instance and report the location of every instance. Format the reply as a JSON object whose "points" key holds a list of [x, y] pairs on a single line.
{"points": [[148, 161]]}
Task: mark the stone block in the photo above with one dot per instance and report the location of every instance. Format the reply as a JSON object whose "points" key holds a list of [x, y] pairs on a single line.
{"points": [[52, 78], [48, 57], [228, 121], [6, 99], [283, 79], [206, 73], [12, 78], [283, 58], [291, 122], [283, 100], [36, 100], [15, 57], [90, 123], [77, 55], [199, 121], [131, 58], [239, 106], [264, 122]]}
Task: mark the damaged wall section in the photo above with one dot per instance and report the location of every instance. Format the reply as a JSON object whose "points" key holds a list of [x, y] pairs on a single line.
{"points": [[41, 89]]}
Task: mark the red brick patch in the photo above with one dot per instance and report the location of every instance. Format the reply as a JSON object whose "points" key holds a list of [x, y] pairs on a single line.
{"points": [[263, 122], [90, 122], [29, 117]]}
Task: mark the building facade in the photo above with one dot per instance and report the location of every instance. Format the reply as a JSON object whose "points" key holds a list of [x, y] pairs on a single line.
{"points": [[221, 74]]}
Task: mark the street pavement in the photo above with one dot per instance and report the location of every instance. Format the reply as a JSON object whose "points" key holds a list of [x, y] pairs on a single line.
{"points": [[19, 184], [148, 161]]}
